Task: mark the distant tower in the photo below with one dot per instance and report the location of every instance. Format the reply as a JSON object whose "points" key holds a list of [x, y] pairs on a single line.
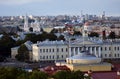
{"points": [[81, 13], [26, 27], [82, 17], [103, 15]]}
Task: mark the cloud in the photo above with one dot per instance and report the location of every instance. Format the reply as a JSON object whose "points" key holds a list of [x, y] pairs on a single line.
{"points": [[19, 2]]}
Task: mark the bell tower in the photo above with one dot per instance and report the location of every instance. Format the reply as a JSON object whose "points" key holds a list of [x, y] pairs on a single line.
{"points": [[26, 27]]}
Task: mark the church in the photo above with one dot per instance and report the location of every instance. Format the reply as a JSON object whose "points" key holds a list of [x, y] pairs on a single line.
{"points": [[31, 27]]}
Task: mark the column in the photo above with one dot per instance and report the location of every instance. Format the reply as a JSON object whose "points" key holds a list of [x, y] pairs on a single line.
{"points": [[78, 50], [87, 48], [69, 51], [91, 50], [99, 50], [74, 51], [95, 51]]}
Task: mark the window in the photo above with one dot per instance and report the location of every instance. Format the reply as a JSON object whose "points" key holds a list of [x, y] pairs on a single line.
{"points": [[105, 55], [62, 56], [49, 50], [40, 57], [57, 49], [118, 55], [46, 50], [57, 56], [66, 49], [53, 57], [43, 57], [40, 50], [46, 57], [62, 49], [118, 48], [115, 55], [53, 50], [50, 57], [109, 48], [109, 55], [114, 48], [43, 50], [105, 48]]}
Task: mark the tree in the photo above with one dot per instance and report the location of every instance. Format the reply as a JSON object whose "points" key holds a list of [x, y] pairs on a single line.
{"points": [[9, 73], [70, 75], [23, 53], [51, 37], [19, 42], [112, 35], [62, 75], [24, 75], [29, 37], [54, 31], [6, 43], [38, 75], [77, 75], [2, 58], [77, 33], [93, 34], [61, 37]]}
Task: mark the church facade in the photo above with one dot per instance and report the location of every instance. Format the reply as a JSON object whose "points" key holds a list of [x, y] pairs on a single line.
{"points": [[31, 27]]}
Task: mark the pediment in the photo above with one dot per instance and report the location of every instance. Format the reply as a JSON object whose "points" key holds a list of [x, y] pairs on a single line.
{"points": [[87, 42]]}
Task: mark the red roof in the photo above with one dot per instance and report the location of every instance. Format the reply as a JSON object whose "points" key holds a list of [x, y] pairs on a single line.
{"points": [[53, 69]]}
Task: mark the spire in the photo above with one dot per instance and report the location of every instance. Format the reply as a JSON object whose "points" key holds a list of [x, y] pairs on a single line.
{"points": [[26, 27], [81, 13], [103, 15]]}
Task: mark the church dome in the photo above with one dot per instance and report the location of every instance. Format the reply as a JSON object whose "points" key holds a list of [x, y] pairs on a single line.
{"points": [[83, 58]]}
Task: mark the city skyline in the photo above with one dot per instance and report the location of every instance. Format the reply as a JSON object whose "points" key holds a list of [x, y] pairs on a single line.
{"points": [[59, 7]]}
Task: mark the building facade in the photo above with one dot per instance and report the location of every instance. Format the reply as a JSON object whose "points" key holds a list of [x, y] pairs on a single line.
{"points": [[60, 50], [50, 51]]}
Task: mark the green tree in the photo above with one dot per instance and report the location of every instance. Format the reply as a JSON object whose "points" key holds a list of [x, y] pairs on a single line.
{"points": [[38, 75], [31, 37], [19, 42], [77, 75], [77, 33], [23, 53], [112, 35], [62, 75], [9, 73], [70, 75], [61, 37], [24, 75], [2, 58], [54, 31], [51, 37], [93, 34], [6, 43]]}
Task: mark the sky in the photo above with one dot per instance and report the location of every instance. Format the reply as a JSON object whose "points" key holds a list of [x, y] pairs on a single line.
{"points": [[59, 7]]}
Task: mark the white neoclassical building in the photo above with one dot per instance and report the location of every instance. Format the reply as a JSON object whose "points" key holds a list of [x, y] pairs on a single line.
{"points": [[60, 50], [50, 51]]}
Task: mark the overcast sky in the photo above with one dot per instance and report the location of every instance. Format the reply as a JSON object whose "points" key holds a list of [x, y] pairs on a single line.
{"points": [[56, 7]]}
